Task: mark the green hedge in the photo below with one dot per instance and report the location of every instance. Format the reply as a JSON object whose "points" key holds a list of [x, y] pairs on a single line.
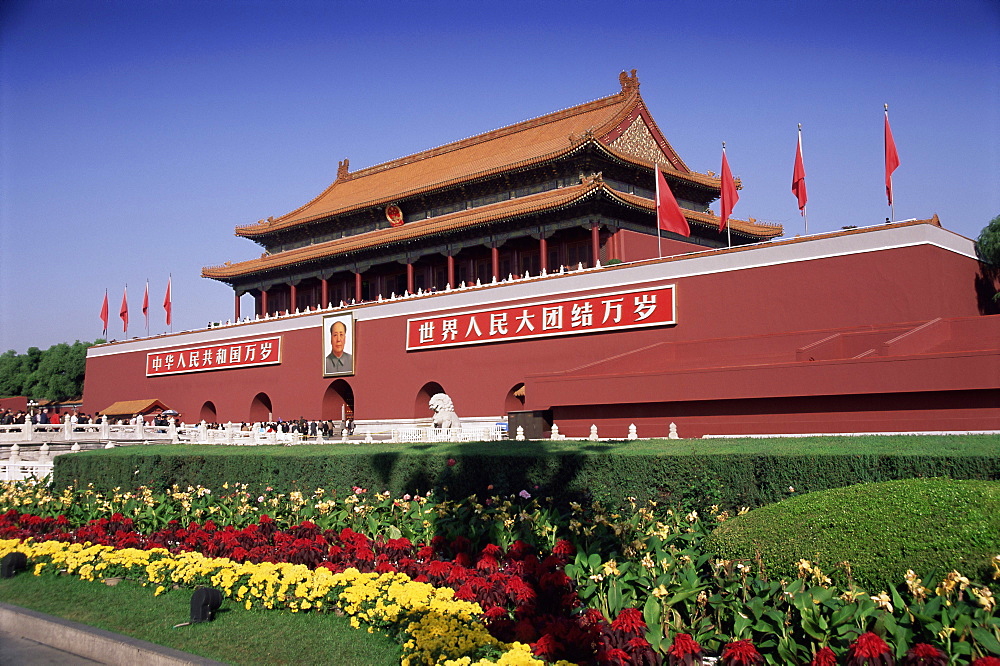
{"points": [[932, 526], [605, 472]]}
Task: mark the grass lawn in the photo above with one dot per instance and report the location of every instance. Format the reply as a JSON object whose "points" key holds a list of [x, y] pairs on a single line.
{"points": [[236, 636]]}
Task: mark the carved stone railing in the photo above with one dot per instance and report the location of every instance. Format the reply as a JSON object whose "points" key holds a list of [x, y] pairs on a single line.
{"points": [[27, 433], [238, 434]]}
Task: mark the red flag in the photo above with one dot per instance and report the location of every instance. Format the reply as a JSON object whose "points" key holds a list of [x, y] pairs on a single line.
{"points": [[104, 312], [123, 313], [891, 157], [145, 304], [168, 304], [799, 178], [729, 195], [669, 216]]}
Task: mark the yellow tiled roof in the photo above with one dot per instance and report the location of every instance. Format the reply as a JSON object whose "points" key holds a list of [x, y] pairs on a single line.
{"points": [[512, 208], [133, 407], [515, 146]]}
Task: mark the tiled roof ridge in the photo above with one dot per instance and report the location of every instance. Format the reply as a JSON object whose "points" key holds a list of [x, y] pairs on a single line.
{"points": [[505, 130], [343, 174], [272, 225], [649, 118]]}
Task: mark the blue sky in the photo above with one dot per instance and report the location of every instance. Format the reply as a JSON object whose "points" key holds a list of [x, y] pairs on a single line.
{"points": [[134, 136]]}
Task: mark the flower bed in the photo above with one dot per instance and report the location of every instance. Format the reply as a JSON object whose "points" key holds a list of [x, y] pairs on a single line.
{"points": [[546, 580]]}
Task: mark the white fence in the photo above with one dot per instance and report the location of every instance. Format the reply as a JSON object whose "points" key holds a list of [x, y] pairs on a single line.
{"points": [[397, 430], [15, 469], [28, 433], [238, 434]]}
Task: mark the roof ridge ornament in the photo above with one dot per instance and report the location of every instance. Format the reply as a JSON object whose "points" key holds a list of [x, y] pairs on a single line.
{"points": [[343, 169], [629, 82]]}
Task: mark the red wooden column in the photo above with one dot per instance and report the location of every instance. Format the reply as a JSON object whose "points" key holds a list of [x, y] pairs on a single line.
{"points": [[324, 293], [236, 314], [543, 254], [451, 271], [595, 243], [495, 260], [293, 297], [409, 277], [357, 286], [263, 302]]}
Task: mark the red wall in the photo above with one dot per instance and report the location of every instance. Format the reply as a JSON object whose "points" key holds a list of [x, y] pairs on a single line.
{"points": [[723, 319]]}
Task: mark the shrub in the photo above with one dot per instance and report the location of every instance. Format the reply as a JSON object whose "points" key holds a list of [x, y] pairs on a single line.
{"points": [[683, 473], [932, 526]]}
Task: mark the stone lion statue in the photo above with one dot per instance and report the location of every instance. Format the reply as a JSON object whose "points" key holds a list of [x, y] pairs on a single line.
{"points": [[444, 411]]}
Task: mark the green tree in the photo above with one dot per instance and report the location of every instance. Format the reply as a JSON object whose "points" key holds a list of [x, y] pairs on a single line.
{"points": [[12, 375], [54, 374], [988, 243]]}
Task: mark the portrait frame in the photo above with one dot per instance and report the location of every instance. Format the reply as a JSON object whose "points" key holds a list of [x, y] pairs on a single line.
{"points": [[331, 368]]}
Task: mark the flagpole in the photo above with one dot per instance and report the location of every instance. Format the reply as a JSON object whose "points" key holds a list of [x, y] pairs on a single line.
{"points": [[729, 234], [805, 215], [892, 199], [656, 190], [145, 306]]}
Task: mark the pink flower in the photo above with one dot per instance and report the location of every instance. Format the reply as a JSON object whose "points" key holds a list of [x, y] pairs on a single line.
{"points": [[741, 653], [451, 462], [824, 657]]}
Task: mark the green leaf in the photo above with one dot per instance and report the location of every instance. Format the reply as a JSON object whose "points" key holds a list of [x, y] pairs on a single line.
{"points": [[986, 640], [740, 624], [651, 613]]}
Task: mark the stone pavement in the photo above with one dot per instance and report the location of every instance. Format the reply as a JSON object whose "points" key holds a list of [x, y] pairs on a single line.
{"points": [[29, 638]]}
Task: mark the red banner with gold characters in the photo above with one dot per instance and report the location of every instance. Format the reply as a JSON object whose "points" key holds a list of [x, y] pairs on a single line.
{"points": [[620, 310], [239, 354]]}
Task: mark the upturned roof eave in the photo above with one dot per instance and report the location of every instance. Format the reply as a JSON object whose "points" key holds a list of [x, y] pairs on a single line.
{"points": [[414, 231]]}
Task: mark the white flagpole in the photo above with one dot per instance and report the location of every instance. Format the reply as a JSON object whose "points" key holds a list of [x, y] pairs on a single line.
{"points": [[729, 234], [892, 202], [656, 208], [805, 214]]}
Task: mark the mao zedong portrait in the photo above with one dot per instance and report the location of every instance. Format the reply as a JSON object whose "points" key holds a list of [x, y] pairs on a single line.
{"points": [[339, 361]]}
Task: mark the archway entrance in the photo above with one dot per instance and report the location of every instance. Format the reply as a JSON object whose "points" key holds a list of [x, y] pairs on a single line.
{"points": [[260, 408], [420, 408], [515, 399], [208, 412], [338, 401]]}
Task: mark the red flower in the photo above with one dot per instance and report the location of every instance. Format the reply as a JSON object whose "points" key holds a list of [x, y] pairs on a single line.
{"points": [[824, 657], [451, 462], [869, 650], [629, 621], [923, 654], [986, 661], [741, 653], [547, 647], [614, 656], [684, 652], [564, 547]]}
